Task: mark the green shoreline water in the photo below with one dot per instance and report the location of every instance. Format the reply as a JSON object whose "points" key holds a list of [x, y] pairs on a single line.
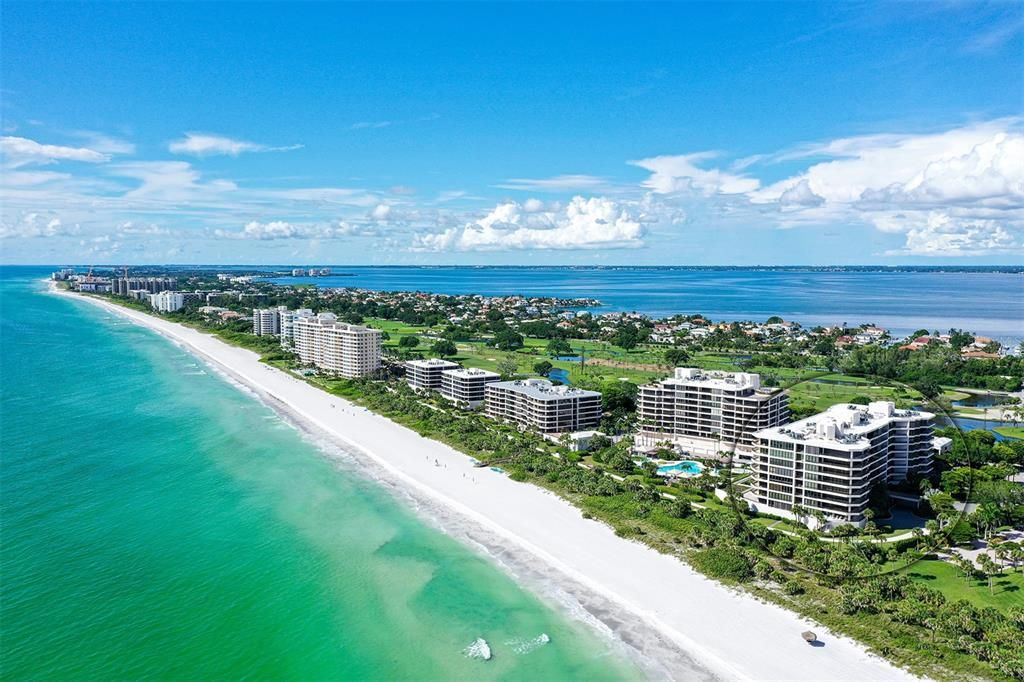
{"points": [[158, 522]]}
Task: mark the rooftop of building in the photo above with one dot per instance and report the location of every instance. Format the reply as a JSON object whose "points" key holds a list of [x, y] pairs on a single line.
{"points": [[542, 389], [432, 362], [470, 373], [841, 425], [726, 381]]}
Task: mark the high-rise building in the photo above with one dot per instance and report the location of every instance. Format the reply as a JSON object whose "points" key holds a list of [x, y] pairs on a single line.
{"points": [[425, 375], [288, 318], [347, 350], [167, 301], [122, 286], [267, 321], [539, 404], [467, 386], [829, 463], [707, 412]]}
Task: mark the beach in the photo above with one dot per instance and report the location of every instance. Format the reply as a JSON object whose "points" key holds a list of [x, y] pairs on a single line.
{"points": [[732, 634]]}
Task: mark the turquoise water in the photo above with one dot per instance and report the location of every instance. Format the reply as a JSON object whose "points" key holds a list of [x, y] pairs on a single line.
{"points": [[686, 467], [158, 522]]}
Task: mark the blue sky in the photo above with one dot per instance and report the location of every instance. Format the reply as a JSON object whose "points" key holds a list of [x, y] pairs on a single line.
{"points": [[575, 133]]}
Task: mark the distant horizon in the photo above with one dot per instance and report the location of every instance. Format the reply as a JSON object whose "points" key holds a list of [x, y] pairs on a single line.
{"points": [[1003, 267]]}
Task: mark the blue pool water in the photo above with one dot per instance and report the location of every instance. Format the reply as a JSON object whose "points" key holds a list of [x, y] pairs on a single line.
{"points": [[684, 468]]}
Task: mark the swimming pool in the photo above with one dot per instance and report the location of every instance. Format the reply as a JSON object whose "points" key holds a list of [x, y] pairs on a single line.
{"points": [[684, 468]]}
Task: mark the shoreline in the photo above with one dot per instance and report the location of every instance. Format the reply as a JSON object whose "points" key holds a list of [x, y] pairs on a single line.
{"points": [[730, 633]]}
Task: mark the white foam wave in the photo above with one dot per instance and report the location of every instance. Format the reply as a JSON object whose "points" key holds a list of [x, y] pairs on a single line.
{"points": [[478, 649], [525, 646]]}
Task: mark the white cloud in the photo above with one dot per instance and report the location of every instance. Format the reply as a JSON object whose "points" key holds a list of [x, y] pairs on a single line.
{"points": [[558, 183], [680, 173], [957, 192], [281, 229], [168, 180], [939, 234], [583, 224], [362, 125], [204, 144], [32, 225], [21, 151]]}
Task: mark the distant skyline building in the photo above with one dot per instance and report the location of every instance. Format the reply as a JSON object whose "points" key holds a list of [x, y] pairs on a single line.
{"points": [[539, 404], [123, 286], [830, 462], [706, 412]]}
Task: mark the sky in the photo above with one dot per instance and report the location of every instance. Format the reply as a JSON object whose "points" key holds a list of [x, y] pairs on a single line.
{"points": [[487, 133]]}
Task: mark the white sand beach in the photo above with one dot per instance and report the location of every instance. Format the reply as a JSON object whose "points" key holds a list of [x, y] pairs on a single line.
{"points": [[732, 634]]}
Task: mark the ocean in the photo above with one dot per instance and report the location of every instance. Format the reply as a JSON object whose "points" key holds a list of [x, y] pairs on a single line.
{"points": [[159, 522], [989, 304]]}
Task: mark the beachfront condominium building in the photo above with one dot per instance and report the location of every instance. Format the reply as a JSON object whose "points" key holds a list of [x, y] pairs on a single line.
{"points": [[348, 350], [425, 375], [539, 404], [467, 386], [830, 462], [707, 412], [287, 319], [121, 286], [167, 301], [267, 321]]}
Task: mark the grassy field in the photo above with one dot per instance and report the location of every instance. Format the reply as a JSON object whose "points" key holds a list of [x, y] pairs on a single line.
{"points": [[1010, 431], [939, 575]]}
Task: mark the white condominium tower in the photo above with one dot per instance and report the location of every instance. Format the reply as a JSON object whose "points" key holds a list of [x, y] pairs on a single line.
{"points": [[707, 412], [425, 375], [167, 301], [347, 350], [829, 463], [288, 319], [466, 387], [267, 321], [539, 404]]}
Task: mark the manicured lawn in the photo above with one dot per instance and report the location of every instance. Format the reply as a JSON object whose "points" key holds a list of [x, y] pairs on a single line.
{"points": [[1010, 431], [822, 396], [1008, 588]]}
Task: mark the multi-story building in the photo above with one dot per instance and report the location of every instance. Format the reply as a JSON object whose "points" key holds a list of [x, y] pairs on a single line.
{"points": [[466, 387], [707, 412], [539, 404], [122, 286], [829, 463], [347, 350], [267, 321], [167, 301], [425, 375], [287, 325]]}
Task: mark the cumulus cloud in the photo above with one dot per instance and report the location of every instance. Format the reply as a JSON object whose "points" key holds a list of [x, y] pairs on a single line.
{"points": [[957, 192], [680, 173], [21, 151], [33, 225], [205, 144], [583, 224], [281, 229]]}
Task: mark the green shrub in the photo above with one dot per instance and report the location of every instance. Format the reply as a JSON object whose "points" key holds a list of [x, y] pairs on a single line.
{"points": [[723, 562]]}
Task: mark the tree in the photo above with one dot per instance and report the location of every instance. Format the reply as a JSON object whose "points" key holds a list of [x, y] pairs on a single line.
{"points": [[627, 337], [409, 341], [443, 348], [676, 356], [543, 368], [508, 339], [929, 388], [559, 347], [508, 367]]}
